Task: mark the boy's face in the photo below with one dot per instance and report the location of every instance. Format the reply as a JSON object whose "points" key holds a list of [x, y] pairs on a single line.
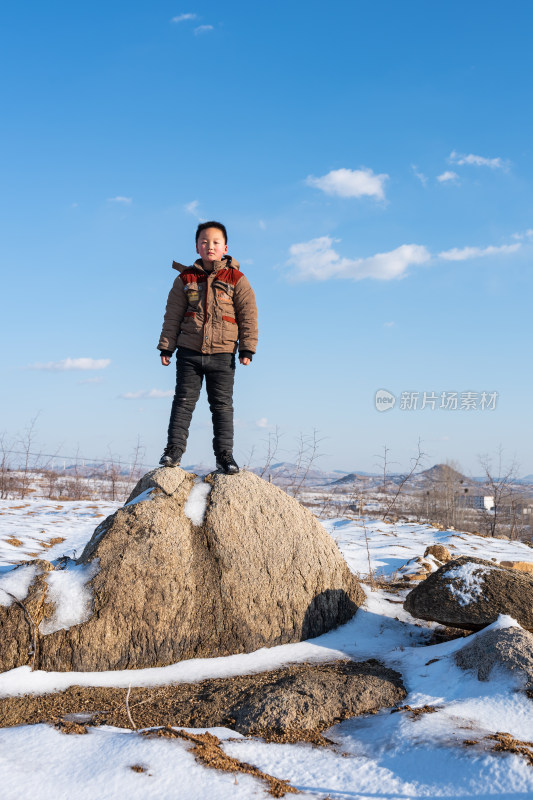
{"points": [[211, 245]]}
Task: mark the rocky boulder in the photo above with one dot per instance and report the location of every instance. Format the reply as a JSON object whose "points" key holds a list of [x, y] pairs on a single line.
{"points": [[439, 553], [523, 566], [470, 593], [315, 697], [510, 649], [186, 569]]}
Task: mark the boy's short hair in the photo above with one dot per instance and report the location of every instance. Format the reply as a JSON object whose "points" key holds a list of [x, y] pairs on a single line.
{"points": [[212, 224]]}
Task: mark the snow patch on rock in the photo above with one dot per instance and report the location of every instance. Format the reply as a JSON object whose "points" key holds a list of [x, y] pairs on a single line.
{"points": [[140, 497], [16, 583], [68, 590], [197, 502], [470, 578]]}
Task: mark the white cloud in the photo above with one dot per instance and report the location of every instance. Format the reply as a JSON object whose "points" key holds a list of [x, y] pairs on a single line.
{"points": [[466, 253], [192, 208], [262, 224], [420, 175], [389, 324], [477, 161], [524, 234], [183, 17], [447, 176], [119, 199], [317, 260], [350, 183], [262, 423], [202, 29], [151, 393], [72, 364]]}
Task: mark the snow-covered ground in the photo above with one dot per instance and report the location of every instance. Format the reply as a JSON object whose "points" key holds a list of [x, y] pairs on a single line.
{"points": [[386, 755]]}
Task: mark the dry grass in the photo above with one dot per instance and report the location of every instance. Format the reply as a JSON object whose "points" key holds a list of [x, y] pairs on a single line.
{"points": [[52, 542], [380, 580], [208, 751], [294, 736], [14, 541], [505, 743], [67, 726], [416, 713]]}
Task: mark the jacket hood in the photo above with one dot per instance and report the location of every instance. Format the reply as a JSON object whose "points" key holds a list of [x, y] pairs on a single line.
{"points": [[227, 261]]}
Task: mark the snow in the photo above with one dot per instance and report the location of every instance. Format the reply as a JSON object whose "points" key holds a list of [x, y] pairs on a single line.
{"points": [[42, 763], [392, 545], [382, 756], [141, 497], [470, 578], [68, 590], [37, 523], [197, 502], [16, 582], [23, 681]]}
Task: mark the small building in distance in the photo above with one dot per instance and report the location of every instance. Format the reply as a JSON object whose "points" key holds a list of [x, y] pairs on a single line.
{"points": [[481, 502]]}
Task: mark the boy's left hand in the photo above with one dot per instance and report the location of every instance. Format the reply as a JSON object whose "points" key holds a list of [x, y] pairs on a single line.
{"points": [[244, 361]]}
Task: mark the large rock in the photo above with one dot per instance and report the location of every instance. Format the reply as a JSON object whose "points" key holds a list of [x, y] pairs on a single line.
{"points": [[317, 697], [470, 593], [510, 649], [258, 570]]}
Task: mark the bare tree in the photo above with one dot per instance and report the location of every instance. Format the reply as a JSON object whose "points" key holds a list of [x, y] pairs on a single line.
{"points": [[447, 491], [500, 481], [519, 517], [113, 475], [416, 462], [135, 467], [7, 481], [308, 452], [272, 450], [385, 464], [30, 458], [248, 461], [51, 479]]}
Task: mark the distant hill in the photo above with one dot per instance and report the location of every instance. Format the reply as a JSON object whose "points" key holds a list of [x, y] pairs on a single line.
{"points": [[443, 474], [352, 477]]}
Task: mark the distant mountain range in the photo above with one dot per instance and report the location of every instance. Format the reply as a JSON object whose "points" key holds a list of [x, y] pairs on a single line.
{"points": [[285, 473]]}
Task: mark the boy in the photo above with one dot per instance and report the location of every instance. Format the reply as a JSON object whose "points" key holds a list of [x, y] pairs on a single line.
{"points": [[210, 309]]}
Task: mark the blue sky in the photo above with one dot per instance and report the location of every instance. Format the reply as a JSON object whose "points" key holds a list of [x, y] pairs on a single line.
{"points": [[373, 164]]}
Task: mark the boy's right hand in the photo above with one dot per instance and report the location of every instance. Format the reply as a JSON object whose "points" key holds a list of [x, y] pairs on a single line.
{"points": [[165, 360]]}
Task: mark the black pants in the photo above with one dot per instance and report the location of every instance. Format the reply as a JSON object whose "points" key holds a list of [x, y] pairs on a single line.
{"points": [[219, 371]]}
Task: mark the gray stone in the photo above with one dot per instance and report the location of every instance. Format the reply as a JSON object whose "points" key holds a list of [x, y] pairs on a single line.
{"points": [[507, 648], [470, 593], [319, 696]]}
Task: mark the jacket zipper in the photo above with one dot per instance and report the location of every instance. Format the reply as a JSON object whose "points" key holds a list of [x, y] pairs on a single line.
{"points": [[206, 315]]}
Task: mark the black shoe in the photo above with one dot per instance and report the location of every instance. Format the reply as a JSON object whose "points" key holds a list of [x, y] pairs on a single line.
{"points": [[227, 463], [171, 457]]}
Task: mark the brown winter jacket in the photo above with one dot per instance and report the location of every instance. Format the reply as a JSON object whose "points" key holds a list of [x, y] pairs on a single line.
{"points": [[210, 311]]}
